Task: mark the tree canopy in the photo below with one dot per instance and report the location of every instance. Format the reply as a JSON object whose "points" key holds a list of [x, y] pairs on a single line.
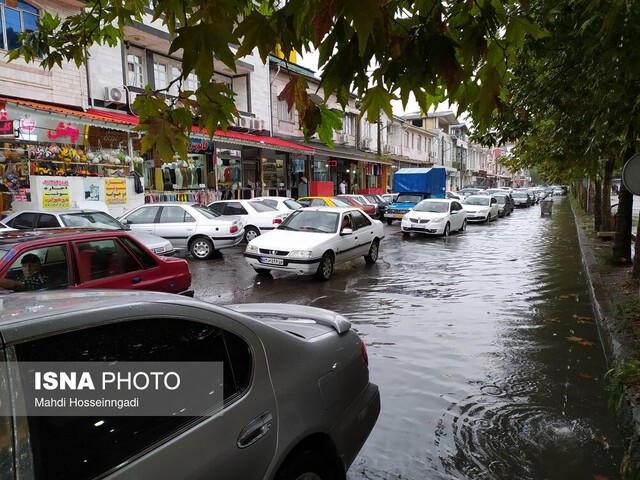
{"points": [[380, 50]]}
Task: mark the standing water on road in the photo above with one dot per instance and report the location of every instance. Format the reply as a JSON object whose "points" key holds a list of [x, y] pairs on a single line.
{"points": [[484, 346]]}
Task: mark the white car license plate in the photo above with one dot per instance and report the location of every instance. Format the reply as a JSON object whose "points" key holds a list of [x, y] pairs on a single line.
{"points": [[417, 225], [272, 261]]}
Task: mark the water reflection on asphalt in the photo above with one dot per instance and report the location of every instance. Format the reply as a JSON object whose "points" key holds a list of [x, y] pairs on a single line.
{"points": [[483, 344]]}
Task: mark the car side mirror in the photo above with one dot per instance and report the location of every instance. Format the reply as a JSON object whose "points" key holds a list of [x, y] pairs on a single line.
{"points": [[454, 212], [346, 231]]}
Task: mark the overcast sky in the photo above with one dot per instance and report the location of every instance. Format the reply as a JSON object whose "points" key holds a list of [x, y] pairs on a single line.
{"points": [[310, 60]]}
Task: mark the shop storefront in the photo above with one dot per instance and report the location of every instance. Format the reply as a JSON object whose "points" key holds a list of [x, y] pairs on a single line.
{"points": [[361, 172], [53, 157]]}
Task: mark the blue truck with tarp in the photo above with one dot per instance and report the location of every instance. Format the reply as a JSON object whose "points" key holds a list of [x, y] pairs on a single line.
{"points": [[412, 186]]}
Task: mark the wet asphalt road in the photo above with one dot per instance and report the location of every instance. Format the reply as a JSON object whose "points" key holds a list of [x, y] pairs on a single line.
{"points": [[483, 344]]}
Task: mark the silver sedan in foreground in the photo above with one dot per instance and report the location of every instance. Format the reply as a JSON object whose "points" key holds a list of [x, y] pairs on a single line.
{"points": [[283, 391]]}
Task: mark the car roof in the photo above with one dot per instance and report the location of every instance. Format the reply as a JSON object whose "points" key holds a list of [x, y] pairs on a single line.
{"points": [[188, 204], [58, 211], [35, 311], [325, 208], [14, 237]]}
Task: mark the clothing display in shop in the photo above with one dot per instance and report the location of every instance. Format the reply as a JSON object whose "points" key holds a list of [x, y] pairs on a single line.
{"points": [[193, 197], [373, 169], [228, 174], [158, 178]]}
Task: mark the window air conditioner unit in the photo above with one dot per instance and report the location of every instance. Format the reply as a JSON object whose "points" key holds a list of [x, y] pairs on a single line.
{"points": [[114, 95], [244, 122], [258, 124], [396, 150], [388, 148], [366, 143], [342, 138]]}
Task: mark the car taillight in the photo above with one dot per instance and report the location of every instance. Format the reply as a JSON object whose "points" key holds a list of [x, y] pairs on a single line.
{"points": [[277, 220], [233, 229], [363, 352]]}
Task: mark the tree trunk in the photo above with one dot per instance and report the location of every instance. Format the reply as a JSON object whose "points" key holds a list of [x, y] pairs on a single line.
{"points": [[635, 271], [607, 225], [597, 205], [622, 241]]}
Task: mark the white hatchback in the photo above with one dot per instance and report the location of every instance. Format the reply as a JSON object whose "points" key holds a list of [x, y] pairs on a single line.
{"points": [[435, 216], [481, 208]]}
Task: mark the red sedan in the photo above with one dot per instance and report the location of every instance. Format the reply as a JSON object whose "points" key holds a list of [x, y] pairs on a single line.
{"points": [[365, 207], [62, 258]]}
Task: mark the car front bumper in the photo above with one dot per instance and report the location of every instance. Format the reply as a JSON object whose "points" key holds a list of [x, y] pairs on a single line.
{"points": [[283, 264], [430, 228], [476, 218]]}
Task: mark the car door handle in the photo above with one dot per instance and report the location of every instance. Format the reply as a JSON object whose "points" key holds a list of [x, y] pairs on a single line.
{"points": [[255, 430], [136, 279]]}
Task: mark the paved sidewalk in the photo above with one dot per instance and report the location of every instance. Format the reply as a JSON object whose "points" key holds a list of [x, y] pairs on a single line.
{"points": [[610, 285]]}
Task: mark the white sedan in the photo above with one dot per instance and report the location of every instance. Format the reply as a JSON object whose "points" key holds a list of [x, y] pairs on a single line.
{"points": [[435, 216], [258, 217], [314, 239], [481, 208]]}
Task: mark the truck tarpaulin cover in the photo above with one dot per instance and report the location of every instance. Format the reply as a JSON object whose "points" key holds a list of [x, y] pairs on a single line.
{"points": [[420, 180]]}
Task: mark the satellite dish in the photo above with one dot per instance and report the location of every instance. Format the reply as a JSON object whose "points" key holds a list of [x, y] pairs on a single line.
{"points": [[631, 174]]}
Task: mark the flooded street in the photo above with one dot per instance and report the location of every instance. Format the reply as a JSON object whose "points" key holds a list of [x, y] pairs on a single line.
{"points": [[483, 344]]}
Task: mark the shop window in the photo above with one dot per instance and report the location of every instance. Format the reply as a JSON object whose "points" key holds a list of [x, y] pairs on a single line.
{"points": [[15, 20]]}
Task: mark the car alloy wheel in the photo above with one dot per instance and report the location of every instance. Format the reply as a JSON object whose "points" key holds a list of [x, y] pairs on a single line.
{"points": [[202, 248], [447, 230], [464, 226], [325, 269], [250, 233], [374, 250]]}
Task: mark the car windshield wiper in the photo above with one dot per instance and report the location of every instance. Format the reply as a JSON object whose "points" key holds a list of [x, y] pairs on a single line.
{"points": [[285, 227]]}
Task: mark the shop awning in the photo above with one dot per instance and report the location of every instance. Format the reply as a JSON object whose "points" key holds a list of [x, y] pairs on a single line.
{"points": [[259, 141], [122, 121], [91, 116], [348, 153], [230, 137]]}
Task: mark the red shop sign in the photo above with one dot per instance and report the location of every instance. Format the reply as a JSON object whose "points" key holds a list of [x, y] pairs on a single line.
{"points": [[332, 163]]}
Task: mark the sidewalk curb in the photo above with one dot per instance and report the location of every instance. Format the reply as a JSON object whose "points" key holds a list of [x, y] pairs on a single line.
{"points": [[617, 347]]}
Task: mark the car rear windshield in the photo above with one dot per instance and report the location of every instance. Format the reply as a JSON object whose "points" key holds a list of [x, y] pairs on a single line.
{"points": [[261, 206], [205, 211], [91, 220]]}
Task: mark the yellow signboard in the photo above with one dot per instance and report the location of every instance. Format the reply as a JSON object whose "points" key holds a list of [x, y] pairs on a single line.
{"points": [[55, 193], [115, 190]]}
